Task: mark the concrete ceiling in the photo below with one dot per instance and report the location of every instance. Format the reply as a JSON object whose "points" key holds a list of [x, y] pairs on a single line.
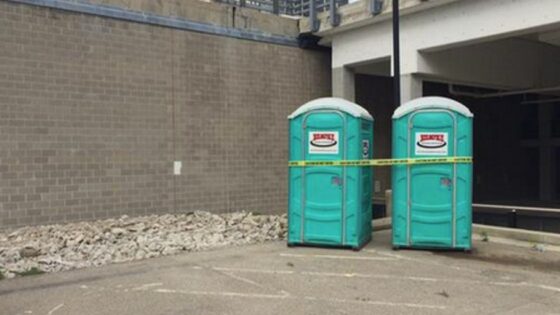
{"points": [[552, 38], [380, 68], [549, 36]]}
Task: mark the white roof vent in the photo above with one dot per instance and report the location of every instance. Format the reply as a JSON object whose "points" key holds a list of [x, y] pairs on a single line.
{"points": [[431, 102], [332, 103]]}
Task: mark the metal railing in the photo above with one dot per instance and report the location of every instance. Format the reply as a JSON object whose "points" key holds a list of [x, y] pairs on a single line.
{"points": [[286, 7], [510, 208], [512, 211]]}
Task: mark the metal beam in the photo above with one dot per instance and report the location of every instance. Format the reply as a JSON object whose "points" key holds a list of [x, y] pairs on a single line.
{"points": [[313, 21], [376, 7], [509, 208], [453, 91], [334, 17]]}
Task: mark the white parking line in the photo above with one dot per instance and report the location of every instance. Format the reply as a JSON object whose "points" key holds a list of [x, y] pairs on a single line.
{"points": [[381, 303], [236, 277], [546, 287], [422, 261], [327, 274], [336, 256], [285, 295], [226, 294], [389, 277], [254, 270], [147, 286], [56, 308]]}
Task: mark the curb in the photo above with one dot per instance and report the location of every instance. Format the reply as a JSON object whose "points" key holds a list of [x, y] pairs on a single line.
{"points": [[518, 234], [381, 224], [493, 231]]}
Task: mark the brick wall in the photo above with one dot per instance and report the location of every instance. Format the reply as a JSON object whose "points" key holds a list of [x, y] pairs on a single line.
{"points": [[94, 111]]}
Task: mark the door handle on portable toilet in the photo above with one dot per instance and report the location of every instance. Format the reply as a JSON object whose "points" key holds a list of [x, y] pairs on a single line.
{"points": [[446, 182], [336, 180]]}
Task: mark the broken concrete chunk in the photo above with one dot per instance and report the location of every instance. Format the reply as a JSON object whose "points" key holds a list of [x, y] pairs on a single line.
{"points": [[29, 251], [77, 245]]}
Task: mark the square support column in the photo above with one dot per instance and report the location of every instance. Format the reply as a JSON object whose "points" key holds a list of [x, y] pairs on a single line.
{"points": [[343, 83], [411, 87], [547, 183]]}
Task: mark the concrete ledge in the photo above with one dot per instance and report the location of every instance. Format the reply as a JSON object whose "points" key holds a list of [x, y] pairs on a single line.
{"points": [[181, 23], [517, 234], [357, 14], [493, 231], [381, 224]]}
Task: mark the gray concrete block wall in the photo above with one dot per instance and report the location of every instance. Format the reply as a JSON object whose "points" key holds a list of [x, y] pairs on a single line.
{"points": [[94, 111]]}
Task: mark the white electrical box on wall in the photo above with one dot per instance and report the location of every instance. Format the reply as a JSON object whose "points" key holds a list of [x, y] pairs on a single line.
{"points": [[177, 165]]}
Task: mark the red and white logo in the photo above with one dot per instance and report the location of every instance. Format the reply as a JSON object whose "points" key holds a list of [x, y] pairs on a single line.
{"points": [[323, 139], [323, 142], [432, 141]]}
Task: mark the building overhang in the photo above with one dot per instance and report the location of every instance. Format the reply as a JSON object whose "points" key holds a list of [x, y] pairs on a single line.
{"points": [[358, 14]]}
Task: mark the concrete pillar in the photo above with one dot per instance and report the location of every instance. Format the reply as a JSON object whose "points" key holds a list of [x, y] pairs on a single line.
{"points": [[546, 174], [343, 83], [411, 87], [388, 203]]}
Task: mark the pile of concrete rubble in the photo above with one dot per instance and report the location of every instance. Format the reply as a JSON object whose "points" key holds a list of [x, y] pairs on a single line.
{"points": [[52, 248]]}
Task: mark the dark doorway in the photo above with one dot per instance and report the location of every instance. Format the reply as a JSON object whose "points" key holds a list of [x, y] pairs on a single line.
{"points": [[508, 149]]}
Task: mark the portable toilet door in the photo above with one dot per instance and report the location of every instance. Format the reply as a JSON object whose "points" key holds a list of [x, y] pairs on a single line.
{"points": [[432, 203], [330, 205]]}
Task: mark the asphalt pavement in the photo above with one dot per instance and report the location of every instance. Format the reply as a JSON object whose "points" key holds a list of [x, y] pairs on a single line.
{"points": [[274, 279]]}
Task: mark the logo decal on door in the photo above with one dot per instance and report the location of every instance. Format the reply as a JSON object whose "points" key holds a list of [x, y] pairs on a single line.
{"points": [[323, 142], [365, 149], [431, 143]]}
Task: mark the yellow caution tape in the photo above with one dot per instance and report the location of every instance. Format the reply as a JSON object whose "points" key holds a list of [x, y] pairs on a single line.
{"points": [[385, 162]]}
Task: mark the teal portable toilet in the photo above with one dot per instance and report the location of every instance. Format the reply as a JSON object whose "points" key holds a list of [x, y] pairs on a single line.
{"points": [[432, 203], [330, 205]]}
